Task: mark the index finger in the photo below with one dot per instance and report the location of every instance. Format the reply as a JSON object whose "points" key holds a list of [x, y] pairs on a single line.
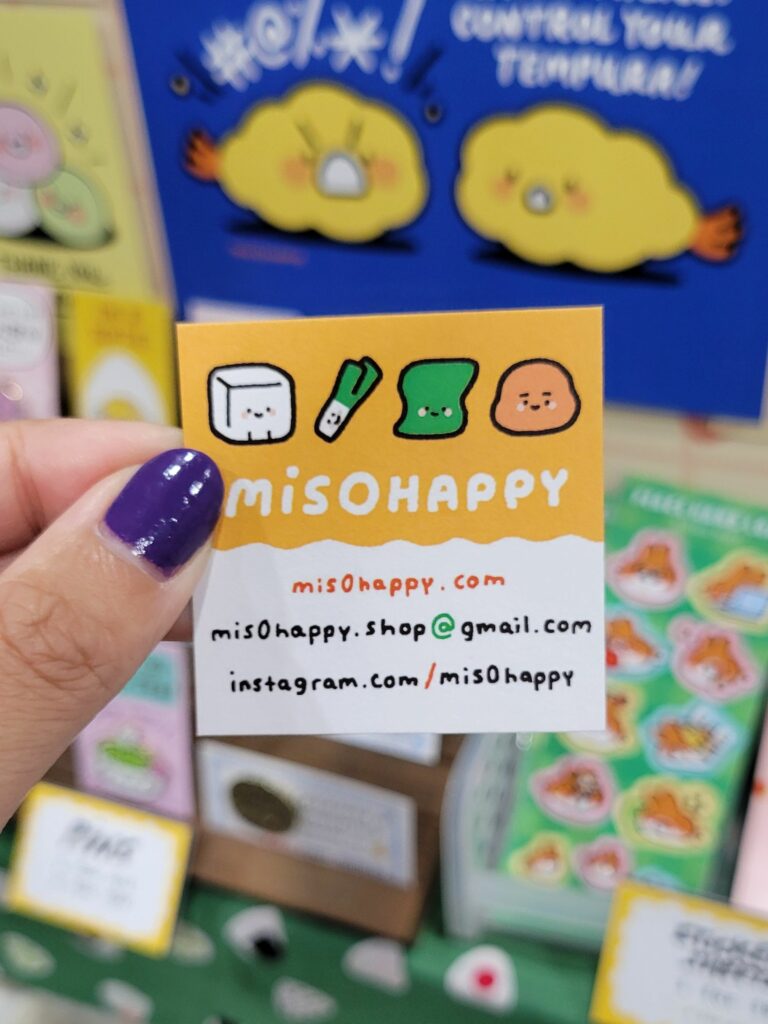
{"points": [[45, 465]]}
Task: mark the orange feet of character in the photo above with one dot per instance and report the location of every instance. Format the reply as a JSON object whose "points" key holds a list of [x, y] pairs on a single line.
{"points": [[718, 235], [201, 157]]}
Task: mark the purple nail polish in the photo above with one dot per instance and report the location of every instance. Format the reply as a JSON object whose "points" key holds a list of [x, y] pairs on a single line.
{"points": [[168, 508]]}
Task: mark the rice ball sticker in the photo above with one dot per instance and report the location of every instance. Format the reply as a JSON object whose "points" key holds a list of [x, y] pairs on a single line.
{"points": [[433, 393], [484, 976], [536, 396]]}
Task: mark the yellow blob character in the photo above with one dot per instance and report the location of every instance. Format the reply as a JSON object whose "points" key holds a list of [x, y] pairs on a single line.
{"points": [[322, 158], [556, 184]]}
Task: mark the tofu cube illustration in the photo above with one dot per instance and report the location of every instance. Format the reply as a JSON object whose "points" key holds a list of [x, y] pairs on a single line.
{"points": [[251, 403]]}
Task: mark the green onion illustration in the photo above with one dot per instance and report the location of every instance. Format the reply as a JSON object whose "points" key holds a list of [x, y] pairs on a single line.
{"points": [[354, 383]]}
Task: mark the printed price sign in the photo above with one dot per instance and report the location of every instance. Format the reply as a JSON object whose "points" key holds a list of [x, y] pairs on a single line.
{"points": [[412, 534], [96, 867], [670, 958]]}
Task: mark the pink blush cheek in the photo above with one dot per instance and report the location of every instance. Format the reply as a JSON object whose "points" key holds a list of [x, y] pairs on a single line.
{"points": [[578, 201], [503, 188], [296, 172], [383, 172]]}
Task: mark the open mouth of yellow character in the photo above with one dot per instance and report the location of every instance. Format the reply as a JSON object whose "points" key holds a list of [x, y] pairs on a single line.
{"points": [[341, 175], [539, 199]]}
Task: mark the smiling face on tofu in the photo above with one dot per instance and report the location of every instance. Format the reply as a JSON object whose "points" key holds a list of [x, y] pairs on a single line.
{"points": [[251, 403], [536, 396], [328, 160], [555, 184]]}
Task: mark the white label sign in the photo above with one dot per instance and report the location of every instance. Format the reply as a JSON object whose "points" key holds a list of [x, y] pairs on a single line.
{"points": [[308, 813], [94, 866], [669, 958]]}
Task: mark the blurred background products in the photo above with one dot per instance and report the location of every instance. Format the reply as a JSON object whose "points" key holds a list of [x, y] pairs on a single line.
{"points": [[564, 818], [261, 159], [29, 352], [420, 155]]}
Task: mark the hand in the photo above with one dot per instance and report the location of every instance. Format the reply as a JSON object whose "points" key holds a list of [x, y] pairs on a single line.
{"points": [[97, 562]]}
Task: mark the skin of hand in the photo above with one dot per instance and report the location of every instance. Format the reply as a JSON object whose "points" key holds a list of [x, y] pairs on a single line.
{"points": [[104, 532]]}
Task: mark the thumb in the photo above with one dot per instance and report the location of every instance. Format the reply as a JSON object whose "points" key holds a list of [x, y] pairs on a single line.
{"points": [[84, 605]]}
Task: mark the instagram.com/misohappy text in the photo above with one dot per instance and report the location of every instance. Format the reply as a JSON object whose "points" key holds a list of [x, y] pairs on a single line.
{"points": [[383, 681]]}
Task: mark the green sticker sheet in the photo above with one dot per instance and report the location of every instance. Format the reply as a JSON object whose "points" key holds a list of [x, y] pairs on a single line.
{"points": [[686, 659]]}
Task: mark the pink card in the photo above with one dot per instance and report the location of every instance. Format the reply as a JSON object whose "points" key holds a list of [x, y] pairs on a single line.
{"points": [[139, 749], [750, 883], [29, 360]]}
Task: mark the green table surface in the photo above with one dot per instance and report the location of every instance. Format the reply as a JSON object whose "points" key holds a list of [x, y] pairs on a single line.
{"points": [[205, 978]]}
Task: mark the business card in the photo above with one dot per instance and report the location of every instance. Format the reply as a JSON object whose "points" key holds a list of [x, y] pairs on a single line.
{"points": [[412, 533]]}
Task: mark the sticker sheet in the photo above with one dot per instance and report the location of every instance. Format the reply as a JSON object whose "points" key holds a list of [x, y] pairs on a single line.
{"points": [[69, 208], [686, 657], [367, 157], [411, 537]]}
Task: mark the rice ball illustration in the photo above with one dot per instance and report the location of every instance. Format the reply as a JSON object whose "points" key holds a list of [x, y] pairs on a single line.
{"points": [[74, 211], [323, 158], [555, 184]]}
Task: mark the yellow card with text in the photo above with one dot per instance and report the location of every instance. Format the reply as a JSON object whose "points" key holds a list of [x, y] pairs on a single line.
{"points": [[120, 358], [96, 867], [412, 537], [672, 958]]}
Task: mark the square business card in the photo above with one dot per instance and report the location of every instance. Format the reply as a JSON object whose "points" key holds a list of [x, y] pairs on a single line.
{"points": [[412, 532]]}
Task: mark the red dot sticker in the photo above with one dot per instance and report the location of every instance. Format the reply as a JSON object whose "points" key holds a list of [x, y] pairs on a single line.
{"points": [[485, 978]]}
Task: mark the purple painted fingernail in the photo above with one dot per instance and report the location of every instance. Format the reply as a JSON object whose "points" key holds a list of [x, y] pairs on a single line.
{"points": [[168, 508]]}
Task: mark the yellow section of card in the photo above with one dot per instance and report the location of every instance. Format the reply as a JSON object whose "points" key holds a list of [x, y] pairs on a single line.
{"points": [[69, 209], [76, 858], [360, 429], [120, 358], [668, 956]]}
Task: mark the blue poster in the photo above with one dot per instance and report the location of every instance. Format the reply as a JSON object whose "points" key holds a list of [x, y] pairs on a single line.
{"points": [[328, 157]]}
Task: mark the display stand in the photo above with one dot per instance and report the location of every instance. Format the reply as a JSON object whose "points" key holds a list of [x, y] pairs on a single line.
{"points": [[347, 896]]}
